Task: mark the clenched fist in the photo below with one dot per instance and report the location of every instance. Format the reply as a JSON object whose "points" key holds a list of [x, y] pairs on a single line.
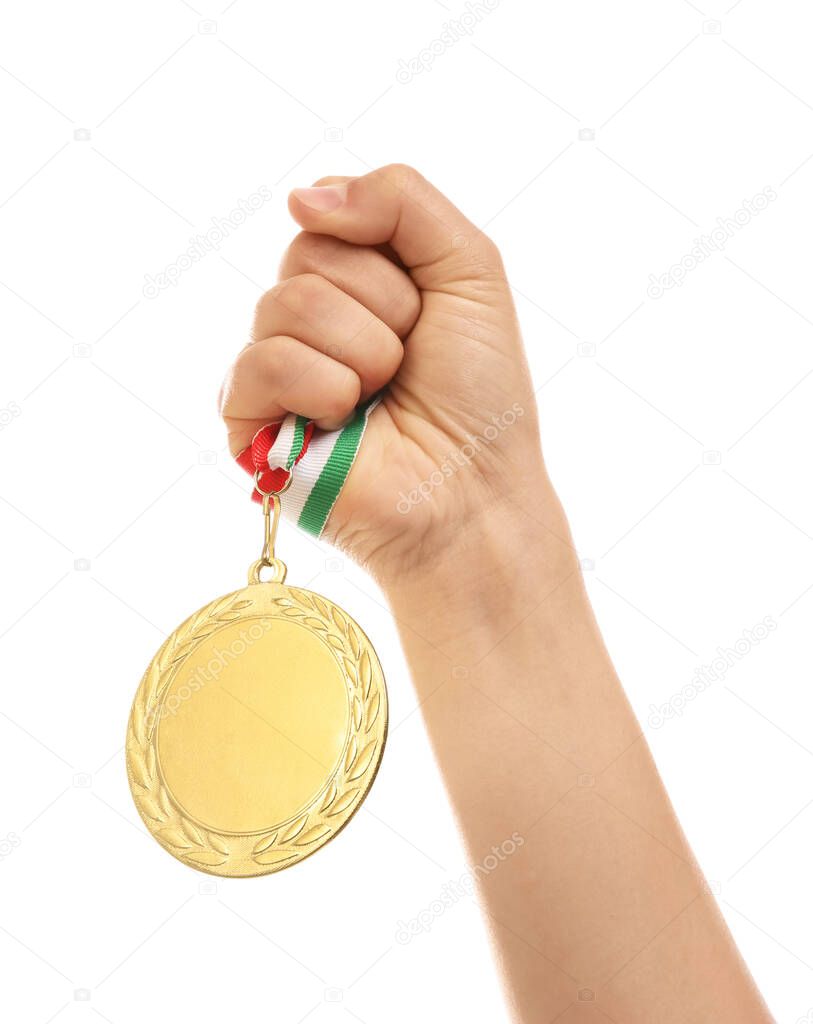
{"points": [[390, 286]]}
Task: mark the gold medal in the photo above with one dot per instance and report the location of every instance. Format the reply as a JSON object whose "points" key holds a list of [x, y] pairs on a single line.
{"points": [[258, 727]]}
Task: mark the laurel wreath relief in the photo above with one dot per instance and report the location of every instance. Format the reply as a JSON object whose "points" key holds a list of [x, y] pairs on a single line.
{"points": [[293, 839]]}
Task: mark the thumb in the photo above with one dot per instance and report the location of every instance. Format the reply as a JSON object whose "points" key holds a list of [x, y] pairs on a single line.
{"points": [[395, 205]]}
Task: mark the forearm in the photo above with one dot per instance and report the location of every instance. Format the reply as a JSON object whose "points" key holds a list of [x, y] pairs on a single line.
{"points": [[597, 892]]}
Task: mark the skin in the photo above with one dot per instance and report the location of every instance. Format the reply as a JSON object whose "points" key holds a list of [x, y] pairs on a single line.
{"points": [[596, 907]]}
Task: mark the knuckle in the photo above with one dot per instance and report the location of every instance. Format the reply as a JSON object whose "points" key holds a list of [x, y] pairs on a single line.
{"points": [[490, 252], [290, 295], [404, 311], [305, 288], [402, 176], [307, 249], [489, 246], [266, 302], [479, 254], [387, 364], [380, 362], [272, 359], [342, 398]]}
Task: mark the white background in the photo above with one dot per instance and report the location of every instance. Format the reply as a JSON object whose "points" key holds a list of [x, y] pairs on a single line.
{"points": [[126, 128]]}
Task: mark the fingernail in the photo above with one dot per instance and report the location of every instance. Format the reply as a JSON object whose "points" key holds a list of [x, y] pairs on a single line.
{"points": [[322, 198]]}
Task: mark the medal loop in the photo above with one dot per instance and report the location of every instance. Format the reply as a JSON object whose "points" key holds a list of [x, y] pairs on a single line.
{"points": [[279, 568], [273, 491]]}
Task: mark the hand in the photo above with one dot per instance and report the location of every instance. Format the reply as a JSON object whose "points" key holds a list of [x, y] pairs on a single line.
{"points": [[390, 285]]}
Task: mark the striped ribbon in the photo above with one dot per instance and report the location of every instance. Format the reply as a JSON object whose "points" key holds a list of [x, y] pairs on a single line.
{"points": [[317, 461]]}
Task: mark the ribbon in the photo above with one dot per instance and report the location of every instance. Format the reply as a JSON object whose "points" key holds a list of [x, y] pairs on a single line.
{"points": [[317, 462]]}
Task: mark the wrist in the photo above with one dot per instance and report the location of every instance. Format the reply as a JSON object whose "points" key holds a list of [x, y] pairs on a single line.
{"points": [[503, 615], [513, 558]]}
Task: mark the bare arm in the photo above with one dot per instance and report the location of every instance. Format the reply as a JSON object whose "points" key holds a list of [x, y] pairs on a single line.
{"points": [[598, 912], [597, 909]]}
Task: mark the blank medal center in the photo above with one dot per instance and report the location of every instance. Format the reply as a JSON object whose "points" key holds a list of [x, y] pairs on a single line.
{"points": [[253, 725]]}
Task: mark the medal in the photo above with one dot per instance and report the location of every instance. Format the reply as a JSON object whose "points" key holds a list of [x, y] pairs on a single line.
{"points": [[258, 727]]}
